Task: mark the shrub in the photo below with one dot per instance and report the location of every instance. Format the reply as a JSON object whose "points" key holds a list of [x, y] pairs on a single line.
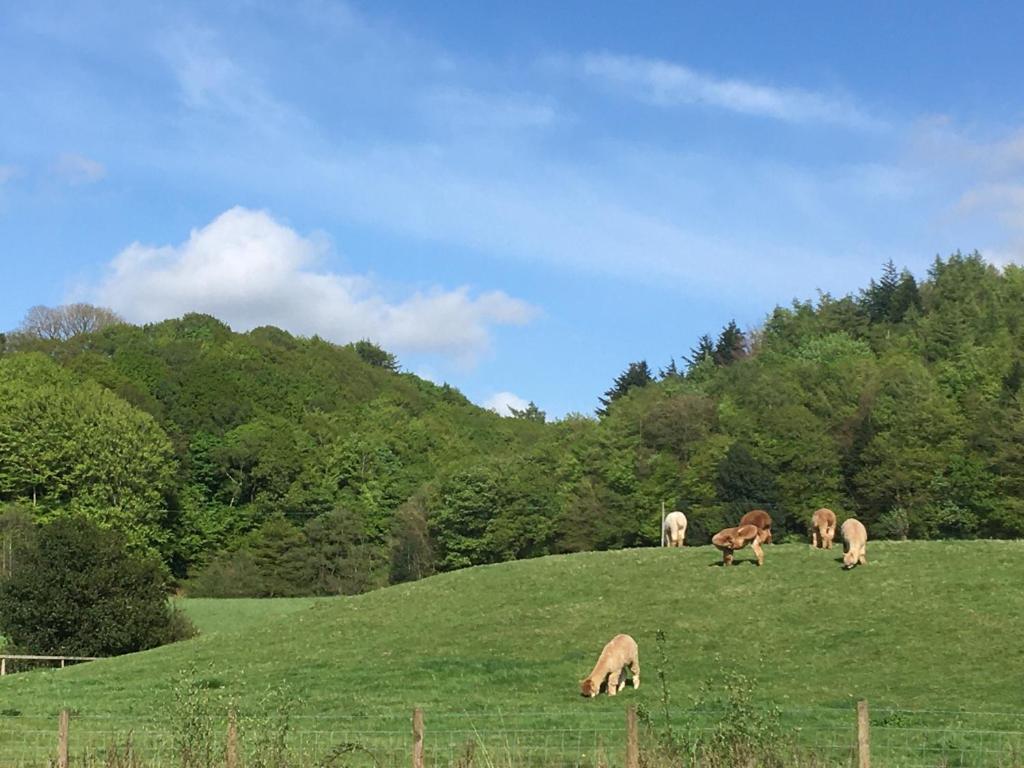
{"points": [[78, 590]]}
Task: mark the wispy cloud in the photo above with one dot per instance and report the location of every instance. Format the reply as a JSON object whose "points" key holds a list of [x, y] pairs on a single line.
{"points": [[78, 169], [249, 270], [211, 80], [668, 84], [502, 403], [467, 109]]}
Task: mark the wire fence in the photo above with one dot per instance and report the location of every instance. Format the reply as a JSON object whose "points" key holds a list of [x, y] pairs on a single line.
{"points": [[816, 738]]}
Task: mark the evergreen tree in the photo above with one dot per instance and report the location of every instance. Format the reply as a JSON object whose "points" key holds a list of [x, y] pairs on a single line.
{"points": [[731, 345], [530, 413], [705, 350], [376, 356], [637, 375], [79, 590]]}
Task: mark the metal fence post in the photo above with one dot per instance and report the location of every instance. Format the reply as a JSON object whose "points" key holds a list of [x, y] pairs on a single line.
{"points": [[863, 735]]}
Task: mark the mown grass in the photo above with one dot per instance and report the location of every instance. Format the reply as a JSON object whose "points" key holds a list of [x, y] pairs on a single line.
{"points": [[219, 615], [924, 626]]}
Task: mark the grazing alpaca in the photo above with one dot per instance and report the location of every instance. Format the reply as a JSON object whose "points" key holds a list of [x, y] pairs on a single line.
{"points": [[855, 541], [823, 525], [731, 539], [761, 520], [673, 532], [619, 653]]}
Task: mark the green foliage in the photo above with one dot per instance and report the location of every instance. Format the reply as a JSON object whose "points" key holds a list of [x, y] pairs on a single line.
{"points": [[265, 463], [371, 354], [78, 590], [636, 375]]}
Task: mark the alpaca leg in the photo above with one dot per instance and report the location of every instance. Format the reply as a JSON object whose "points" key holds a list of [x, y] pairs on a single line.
{"points": [[613, 683], [634, 667], [758, 551], [814, 538], [727, 557]]}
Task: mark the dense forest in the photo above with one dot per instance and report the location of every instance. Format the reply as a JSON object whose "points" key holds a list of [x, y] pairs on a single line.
{"points": [[263, 463]]}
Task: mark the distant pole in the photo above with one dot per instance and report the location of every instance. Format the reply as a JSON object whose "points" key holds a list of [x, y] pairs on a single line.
{"points": [[863, 736], [417, 738], [632, 744], [62, 738], [663, 542]]}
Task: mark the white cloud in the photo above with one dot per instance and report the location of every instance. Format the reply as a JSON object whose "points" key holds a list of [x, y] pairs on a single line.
{"points": [[249, 270], [78, 169], [668, 84], [501, 402]]}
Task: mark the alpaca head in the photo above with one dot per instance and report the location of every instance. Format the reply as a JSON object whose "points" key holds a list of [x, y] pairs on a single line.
{"points": [[587, 688]]}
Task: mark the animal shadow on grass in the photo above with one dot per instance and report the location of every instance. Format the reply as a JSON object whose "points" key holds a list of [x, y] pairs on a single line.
{"points": [[720, 564]]}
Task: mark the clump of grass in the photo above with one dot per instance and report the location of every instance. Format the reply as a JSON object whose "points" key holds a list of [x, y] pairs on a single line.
{"points": [[725, 726]]}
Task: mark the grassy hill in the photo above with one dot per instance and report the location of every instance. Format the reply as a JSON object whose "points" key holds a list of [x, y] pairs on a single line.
{"points": [[925, 626]]}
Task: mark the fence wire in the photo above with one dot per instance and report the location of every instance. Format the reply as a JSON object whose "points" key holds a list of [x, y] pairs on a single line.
{"points": [[816, 738]]}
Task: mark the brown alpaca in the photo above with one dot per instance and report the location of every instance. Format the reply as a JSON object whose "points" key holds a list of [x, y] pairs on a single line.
{"points": [[673, 533], [855, 542], [823, 528], [620, 652], [762, 520], [731, 539]]}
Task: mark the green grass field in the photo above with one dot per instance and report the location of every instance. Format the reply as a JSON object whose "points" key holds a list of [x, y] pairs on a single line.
{"points": [[933, 627]]}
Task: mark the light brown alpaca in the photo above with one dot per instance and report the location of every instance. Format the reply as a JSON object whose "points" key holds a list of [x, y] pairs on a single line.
{"points": [[762, 520], [673, 533], [620, 652], [855, 542], [823, 528], [731, 539]]}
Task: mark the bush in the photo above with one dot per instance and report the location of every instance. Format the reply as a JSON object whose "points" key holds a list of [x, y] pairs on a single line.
{"points": [[78, 590]]}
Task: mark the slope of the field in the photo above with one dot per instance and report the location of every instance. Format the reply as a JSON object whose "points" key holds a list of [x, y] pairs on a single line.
{"points": [[935, 625]]}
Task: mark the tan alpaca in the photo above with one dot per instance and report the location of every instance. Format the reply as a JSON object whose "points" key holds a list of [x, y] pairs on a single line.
{"points": [[731, 539], [855, 542], [823, 528], [673, 532], [762, 521], [620, 652]]}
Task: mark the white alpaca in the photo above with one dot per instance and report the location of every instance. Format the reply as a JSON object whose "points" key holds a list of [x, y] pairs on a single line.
{"points": [[673, 532], [620, 652], [855, 542]]}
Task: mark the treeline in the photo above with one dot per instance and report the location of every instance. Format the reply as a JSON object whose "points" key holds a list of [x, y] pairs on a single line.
{"points": [[262, 463]]}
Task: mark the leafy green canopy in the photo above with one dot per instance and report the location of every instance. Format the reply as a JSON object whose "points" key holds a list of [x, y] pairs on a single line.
{"points": [[272, 464]]}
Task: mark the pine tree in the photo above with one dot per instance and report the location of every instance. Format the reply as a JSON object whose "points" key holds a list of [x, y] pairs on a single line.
{"points": [[731, 345], [637, 375], [705, 350]]}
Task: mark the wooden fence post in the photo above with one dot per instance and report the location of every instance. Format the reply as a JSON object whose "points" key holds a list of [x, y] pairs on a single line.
{"points": [[3, 666], [632, 743], [231, 753], [417, 738], [62, 739], [863, 736]]}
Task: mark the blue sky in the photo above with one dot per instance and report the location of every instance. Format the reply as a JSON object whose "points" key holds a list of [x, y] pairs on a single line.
{"points": [[518, 199]]}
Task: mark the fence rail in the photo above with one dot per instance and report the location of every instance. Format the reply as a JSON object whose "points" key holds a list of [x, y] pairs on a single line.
{"points": [[4, 657], [816, 738]]}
